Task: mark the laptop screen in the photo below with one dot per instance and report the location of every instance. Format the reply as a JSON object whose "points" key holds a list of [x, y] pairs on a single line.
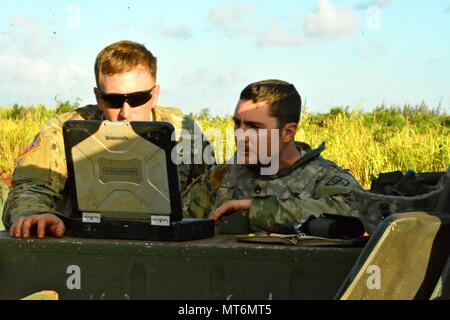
{"points": [[123, 171]]}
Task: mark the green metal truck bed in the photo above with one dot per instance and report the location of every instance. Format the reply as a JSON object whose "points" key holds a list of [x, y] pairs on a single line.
{"points": [[218, 268]]}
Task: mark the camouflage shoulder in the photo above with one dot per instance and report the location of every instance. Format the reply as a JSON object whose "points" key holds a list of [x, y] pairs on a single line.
{"points": [[46, 152], [329, 168], [336, 176], [89, 112], [173, 116], [168, 111], [336, 181], [213, 177], [168, 114]]}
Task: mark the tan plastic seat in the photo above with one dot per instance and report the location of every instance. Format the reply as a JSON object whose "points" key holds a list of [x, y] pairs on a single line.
{"points": [[442, 290], [403, 260], [44, 295]]}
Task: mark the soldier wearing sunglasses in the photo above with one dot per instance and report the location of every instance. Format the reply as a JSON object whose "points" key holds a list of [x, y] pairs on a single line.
{"points": [[127, 90]]}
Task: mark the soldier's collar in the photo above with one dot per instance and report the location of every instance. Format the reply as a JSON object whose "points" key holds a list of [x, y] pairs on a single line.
{"points": [[155, 116], [307, 157], [303, 148]]}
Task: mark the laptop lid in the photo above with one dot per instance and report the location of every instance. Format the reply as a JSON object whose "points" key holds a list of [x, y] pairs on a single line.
{"points": [[123, 171]]}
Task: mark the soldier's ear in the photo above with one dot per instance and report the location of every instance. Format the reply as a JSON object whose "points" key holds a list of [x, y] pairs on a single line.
{"points": [[155, 94], [289, 132]]}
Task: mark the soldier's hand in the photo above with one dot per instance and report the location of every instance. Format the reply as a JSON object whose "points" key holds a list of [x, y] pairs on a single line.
{"points": [[43, 223], [230, 207]]}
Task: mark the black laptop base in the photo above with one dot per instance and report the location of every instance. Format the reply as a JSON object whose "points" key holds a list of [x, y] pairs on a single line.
{"points": [[185, 230]]}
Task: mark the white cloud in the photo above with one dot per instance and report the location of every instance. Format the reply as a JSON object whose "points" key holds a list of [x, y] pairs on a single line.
{"points": [[381, 3], [231, 20], [276, 35], [25, 35], [224, 16], [178, 32], [18, 23], [39, 78], [331, 21], [36, 66], [30, 38], [163, 26]]}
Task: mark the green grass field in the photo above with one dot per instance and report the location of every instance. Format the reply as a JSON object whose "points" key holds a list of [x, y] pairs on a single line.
{"points": [[387, 139]]}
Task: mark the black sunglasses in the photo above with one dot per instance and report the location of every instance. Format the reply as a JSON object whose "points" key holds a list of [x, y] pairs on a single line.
{"points": [[135, 99]]}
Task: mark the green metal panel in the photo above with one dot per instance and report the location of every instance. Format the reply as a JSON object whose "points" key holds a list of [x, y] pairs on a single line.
{"points": [[218, 268]]}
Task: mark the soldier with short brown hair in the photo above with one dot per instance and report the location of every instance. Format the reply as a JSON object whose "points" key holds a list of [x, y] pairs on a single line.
{"points": [[304, 183]]}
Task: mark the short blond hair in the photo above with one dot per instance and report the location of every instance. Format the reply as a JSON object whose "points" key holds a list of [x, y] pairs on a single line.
{"points": [[124, 56]]}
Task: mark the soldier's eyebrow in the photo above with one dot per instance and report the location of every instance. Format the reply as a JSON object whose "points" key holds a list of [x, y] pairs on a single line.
{"points": [[253, 124]]}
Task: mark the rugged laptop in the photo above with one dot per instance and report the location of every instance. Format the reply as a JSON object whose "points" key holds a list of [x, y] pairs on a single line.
{"points": [[124, 183]]}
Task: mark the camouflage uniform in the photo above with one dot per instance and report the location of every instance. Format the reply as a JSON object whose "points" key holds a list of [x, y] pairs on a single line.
{"points": [[40, 176], [293, 194]]}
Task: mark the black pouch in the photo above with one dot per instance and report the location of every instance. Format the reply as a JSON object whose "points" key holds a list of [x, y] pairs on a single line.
{"points": [[234, 224], [334, 227]]}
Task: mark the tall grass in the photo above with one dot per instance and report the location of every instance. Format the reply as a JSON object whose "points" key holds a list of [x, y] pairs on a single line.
{"points": [[387, 139], [367, 145], [18, 127], [15, 136]]}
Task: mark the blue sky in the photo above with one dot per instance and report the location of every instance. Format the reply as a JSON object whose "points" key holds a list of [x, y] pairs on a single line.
{"points": [[336, 52]]}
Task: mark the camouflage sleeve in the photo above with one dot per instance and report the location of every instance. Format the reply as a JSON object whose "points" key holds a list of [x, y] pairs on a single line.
{"points": [[199, 198], [266, 212], [200, 147], [39, 177]]}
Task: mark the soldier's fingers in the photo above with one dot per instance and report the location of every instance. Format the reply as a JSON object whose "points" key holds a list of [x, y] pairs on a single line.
{"points": [[18, 228], [26, 227], [217, 214], [12, 230], [42, 225], [242, 205], [58, 229], [221, 211]]}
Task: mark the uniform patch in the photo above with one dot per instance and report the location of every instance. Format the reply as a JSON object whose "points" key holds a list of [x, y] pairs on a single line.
{"points": [[338, 181], [36, 143]]}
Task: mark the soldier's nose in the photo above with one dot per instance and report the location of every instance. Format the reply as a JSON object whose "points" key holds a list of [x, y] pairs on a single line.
{"points": [[125, 112]]}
